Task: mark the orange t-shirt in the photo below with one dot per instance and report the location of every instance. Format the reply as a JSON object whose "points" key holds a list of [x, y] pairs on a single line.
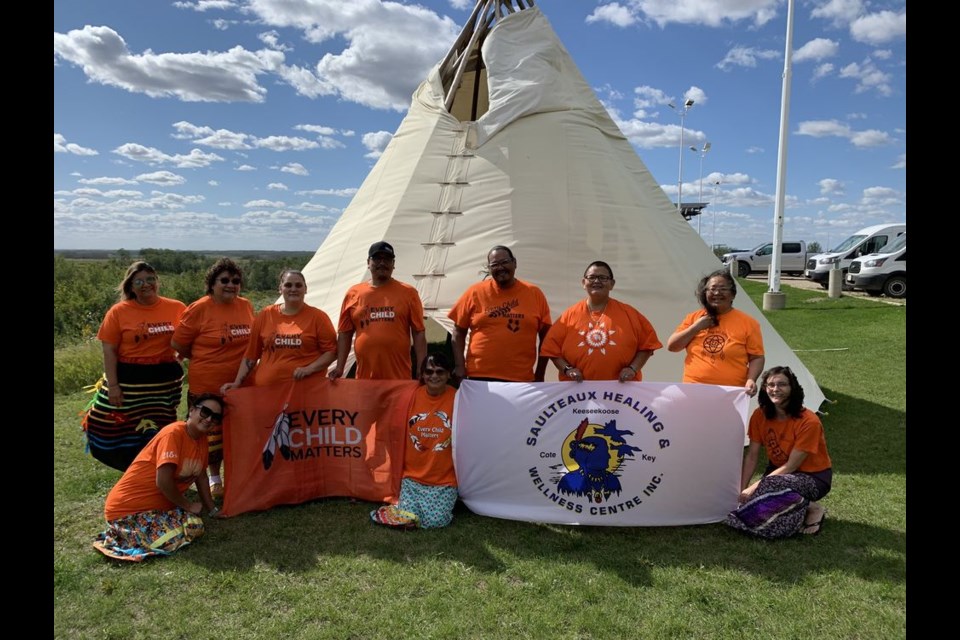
{"points": [[504, 325], [600, 344], [217, 336], [142, 333], [721, 354], [429, 455], [780, 437], [382, 318], [283, 343], [137, 490]]}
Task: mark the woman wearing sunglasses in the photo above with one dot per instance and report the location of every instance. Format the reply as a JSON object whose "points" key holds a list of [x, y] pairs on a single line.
{"points": [[147, 511], [289, 341], [724, 345], [428, 490], [213, 334], [141, 385], [600, 338]]}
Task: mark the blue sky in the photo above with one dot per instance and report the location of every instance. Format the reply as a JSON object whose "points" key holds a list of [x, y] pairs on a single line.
{"points": [[249, 124]]}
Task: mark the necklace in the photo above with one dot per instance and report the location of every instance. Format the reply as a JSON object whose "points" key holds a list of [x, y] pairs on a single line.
{"points": [[596, 314]]}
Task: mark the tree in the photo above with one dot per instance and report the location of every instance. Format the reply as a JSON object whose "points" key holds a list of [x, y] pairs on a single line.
{"points": [[814, 247]]}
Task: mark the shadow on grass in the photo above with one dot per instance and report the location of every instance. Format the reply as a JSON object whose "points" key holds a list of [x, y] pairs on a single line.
{"points": [[336, 532], [864, 437]]}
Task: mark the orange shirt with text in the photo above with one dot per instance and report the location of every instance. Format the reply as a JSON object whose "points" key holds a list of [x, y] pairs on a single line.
{"points": [[283, 343], [720, 355], [217, 335], [429, 454], [383, 318], [780, 437], [142, 333]]}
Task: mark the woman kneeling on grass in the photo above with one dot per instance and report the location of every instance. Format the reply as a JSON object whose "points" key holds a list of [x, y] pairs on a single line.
{"points": [[428, 490], [147, 512], [799, 472]]}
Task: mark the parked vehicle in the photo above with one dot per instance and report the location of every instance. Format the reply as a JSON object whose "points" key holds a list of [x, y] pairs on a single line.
{"points": [[884, 273], [864, 242], [793, 257]]}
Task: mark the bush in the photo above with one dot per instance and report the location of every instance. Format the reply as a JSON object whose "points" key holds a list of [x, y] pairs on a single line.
{"points": [[77, 366]]}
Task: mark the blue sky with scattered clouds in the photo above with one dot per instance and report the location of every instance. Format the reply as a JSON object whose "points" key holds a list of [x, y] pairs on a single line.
{"points": [[249, 124]]}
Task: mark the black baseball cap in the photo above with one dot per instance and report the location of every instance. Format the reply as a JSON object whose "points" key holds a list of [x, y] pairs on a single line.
{"points": [[381, 247]]}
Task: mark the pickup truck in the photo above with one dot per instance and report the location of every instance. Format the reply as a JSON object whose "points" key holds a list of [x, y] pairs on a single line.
{"points": [[793, 256]]}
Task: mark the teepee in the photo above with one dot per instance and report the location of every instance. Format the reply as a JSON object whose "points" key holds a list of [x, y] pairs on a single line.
{"points": [[506, 144]]}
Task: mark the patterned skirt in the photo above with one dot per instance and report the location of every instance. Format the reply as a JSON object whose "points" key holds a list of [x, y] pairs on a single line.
{"points": [[778, 507], [150, 533], [151, 396], [421, 506]]}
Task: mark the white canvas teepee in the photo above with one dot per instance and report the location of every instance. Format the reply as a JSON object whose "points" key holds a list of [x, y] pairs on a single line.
{"points": [[536, 164]]}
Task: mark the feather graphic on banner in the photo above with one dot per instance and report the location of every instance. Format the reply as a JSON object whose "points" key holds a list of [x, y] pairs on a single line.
{"points": [[279, 438]]}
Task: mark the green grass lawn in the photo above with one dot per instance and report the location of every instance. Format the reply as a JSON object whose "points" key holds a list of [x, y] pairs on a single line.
{"points": [[320, 570]]}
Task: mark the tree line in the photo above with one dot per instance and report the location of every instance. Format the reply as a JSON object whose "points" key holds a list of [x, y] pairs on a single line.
{"points": [[85, 288]]}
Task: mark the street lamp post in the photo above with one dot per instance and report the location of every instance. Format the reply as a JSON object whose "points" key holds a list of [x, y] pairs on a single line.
{"points": [[702, 152], [683, 112], [716, 185]]}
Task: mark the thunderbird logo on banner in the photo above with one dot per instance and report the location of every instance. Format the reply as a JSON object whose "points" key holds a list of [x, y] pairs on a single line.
{"points": [[600, 453], [313, 438]]}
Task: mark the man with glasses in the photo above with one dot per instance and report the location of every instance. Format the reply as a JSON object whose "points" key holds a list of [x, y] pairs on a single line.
{"points": [[506, 319], [385, 315]]}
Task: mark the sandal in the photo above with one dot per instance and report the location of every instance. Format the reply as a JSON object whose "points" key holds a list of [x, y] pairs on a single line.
{"points": [[216, 489], [818, 524]]}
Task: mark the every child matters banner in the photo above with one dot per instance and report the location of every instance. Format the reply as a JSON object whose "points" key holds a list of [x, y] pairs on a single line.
{"points": [[313, 438], [600, 453]]}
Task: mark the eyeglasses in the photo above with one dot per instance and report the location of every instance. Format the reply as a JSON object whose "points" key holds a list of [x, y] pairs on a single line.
{"points": [[207, 413], [500, 263], [719, 289], [139, 282], [432, 372], [598, 278], [226, 280], [296, 285], [777, 385]]}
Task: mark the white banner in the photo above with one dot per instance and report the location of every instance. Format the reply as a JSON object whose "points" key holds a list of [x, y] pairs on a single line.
{"points": [[600, 453]]}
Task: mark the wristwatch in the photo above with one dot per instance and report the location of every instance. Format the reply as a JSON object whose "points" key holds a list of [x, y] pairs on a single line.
{"points": [[567, 369]]}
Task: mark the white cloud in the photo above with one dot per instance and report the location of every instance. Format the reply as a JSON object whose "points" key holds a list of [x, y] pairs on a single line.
{"points": [[879, 28], [882, 54], [106, 181], [218, 139], [317, 129], [295, 168], [868, 77], [753, 150], [192, 77], [839, 12], [150, 155], [881, 196], [285, 143], [461, 4], [279, 186], [310, 206], [246, 167], [822, 71], [60, 145], [376, 142], [213, 183], [712, 13], [833, 128], [344, 193], [272, 40], [265, 203], [390, 47], [161, 177], [614, 13], [816, 49], [901, 162], [206, 5], [740, 56], [831, 186]]}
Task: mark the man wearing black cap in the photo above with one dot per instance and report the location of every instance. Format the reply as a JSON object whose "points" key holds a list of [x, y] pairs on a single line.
{"points": [[385, 314]]}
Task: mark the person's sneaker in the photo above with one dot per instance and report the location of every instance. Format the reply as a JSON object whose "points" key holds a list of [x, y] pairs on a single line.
{"points": [[216, 489]]}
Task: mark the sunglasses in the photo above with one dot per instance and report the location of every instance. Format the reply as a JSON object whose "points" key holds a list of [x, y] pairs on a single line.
{"points": [[206, 412], [226, 280], [139, 282], [430, 372]]}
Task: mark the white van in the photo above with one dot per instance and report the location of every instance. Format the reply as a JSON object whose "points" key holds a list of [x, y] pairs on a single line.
{"points": [[884, 273], [863, 242]]}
